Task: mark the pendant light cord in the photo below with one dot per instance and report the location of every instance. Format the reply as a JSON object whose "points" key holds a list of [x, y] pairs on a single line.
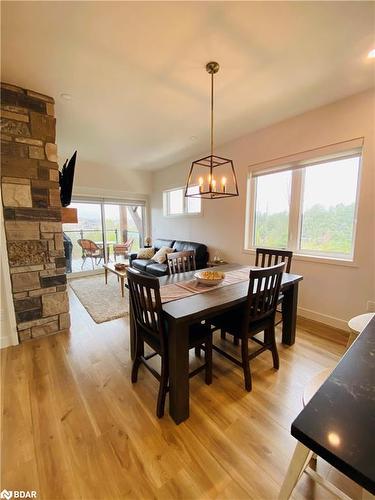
{"points": [[212, 114]]}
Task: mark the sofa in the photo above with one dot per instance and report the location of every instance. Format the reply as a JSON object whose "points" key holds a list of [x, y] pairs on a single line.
{"points": [[152, 267]]}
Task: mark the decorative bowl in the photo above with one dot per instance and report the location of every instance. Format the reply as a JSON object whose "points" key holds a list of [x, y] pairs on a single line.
{"points": [[209, 278], [120, 267]]}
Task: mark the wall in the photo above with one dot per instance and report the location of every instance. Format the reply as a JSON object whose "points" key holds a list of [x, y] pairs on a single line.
{"points": [[329, 293], [90, 177], [93, 181], [32, 212]]}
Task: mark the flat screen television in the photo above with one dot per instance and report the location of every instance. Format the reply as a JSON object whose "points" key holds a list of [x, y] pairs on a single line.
{"points": [[66, 176]]}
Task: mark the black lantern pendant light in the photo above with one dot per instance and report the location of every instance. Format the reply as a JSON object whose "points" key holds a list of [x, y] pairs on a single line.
{"points": [[212, 176]]}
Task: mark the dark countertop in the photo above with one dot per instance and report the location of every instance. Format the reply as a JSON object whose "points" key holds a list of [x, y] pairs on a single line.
{"points": [[338, 423]]}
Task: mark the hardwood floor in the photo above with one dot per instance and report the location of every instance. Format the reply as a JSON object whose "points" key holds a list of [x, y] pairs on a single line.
{"points": [[73, 425]]}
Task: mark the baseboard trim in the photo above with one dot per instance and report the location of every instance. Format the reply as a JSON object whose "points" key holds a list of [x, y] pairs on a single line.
{"points": [[341, 324]]}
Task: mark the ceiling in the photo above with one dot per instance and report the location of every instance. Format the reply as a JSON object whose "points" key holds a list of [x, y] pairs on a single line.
{"points": [[136, 70]]}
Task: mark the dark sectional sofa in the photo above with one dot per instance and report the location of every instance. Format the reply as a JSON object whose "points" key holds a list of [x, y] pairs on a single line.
{"points": [[152, 267]]}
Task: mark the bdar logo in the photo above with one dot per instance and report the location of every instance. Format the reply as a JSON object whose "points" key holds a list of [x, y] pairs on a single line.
{"points": [[6, 494]]}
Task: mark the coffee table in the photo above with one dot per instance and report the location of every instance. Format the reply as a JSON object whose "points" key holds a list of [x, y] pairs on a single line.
{"points": [[121, 275]]}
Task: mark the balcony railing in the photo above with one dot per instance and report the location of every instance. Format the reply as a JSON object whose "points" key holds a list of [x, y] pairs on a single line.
{"points": [[112, 235]]}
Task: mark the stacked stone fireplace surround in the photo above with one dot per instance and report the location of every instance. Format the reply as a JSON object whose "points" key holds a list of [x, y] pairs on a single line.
{"points": [[32, 212]]}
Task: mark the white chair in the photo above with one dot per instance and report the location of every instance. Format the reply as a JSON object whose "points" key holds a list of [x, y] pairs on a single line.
{"points": [[356, 325]]}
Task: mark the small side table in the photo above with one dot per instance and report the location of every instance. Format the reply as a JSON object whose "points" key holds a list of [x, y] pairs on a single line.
{"points": [[121, 275]]}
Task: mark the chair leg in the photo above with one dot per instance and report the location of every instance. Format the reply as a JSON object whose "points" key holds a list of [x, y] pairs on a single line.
{"points": [[223, 334], [271, 341], [236, 341], [163, 387], [137, 359], [246, 364], [208, 360], [83, 262], [297, 465], [197, 351]]}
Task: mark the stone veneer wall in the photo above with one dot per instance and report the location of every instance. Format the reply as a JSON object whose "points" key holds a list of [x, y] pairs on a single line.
{"points": [[32, 212]]}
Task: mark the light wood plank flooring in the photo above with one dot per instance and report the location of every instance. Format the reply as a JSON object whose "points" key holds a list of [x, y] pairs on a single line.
{"points": [[73, 425]]}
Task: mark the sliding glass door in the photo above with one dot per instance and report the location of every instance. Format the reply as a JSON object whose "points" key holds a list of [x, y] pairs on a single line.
{"points": [[106, 232]]}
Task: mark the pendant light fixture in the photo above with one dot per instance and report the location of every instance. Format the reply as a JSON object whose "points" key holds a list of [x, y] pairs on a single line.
{"points": [[212, 176]]}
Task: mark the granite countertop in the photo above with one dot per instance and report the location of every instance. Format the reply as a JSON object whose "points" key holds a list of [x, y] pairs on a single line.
{"points": [[338, 423]]}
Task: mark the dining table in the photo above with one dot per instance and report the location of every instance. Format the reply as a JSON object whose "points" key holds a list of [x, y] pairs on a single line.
{"points": [[181, 313]]}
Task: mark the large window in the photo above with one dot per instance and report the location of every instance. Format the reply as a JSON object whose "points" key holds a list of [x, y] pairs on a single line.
{"points": [[102, 231], [175, 202], [309, 208]]}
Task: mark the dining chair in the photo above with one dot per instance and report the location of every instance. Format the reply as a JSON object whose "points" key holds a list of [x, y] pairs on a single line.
{"points": [[257, 315], [181, 262], [266, 257], [92, 250], [150, 328]]}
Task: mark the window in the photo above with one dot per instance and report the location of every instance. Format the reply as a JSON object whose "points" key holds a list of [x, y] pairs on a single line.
{"points": [[109, 225], [272, 210], [175, 202], [309, 208]]}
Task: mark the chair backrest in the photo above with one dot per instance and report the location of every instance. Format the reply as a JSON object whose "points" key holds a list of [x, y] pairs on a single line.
{"points": [[263, 292], [181, 262], [266, 257], [88, 245], [146, 305], [129, 244]]}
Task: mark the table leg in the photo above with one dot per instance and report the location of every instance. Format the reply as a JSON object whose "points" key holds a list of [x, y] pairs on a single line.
{"points": [[122, 285], [297, 465], [106, 275], [178, 348], [289, 309]]}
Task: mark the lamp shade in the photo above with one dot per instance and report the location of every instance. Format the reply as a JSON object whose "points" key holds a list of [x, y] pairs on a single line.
{"points": [[212, 177]]}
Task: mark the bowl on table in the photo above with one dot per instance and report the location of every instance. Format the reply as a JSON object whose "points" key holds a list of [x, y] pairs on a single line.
{"points": [[209, 278], [120, 267]]}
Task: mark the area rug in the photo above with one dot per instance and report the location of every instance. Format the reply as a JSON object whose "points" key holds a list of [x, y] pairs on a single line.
{"points": [[103, 302]]}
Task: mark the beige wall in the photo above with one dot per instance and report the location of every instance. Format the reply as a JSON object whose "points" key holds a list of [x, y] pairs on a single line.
{"points": [[106, 178], [94, 180], [329, 293]]}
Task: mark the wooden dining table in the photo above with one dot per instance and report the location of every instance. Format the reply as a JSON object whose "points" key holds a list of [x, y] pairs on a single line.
{"points": [[180, 314]]}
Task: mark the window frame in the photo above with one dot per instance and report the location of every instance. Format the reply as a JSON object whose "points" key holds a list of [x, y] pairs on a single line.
{"points": [[185, 212], [298, 172]]}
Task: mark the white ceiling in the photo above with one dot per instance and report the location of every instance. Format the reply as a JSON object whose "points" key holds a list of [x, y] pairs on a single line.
{"points": [[136, 74]]}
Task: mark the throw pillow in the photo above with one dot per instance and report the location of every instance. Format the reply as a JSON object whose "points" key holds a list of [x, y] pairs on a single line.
{"points": [[145, 253], [161, 255]]}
